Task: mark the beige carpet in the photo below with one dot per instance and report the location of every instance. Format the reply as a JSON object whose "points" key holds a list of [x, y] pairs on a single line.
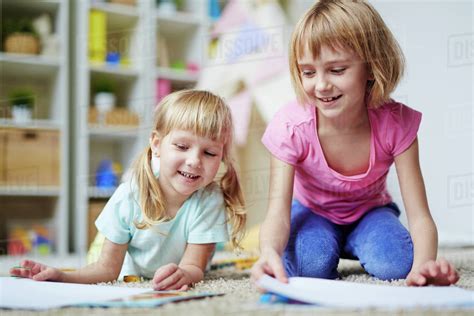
{"points": [[242, 299]]}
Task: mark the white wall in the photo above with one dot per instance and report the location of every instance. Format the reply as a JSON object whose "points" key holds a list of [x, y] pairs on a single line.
{"points": [[437, 38]]}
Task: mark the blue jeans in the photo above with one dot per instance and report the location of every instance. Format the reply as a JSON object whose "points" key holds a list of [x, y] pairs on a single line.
{"points": [[378, 240]]}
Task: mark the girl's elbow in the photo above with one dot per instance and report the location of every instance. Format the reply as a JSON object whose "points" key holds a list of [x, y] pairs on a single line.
{"points": [[110, 271]]}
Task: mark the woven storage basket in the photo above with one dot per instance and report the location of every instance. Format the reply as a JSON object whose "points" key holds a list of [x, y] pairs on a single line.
{"points": [[126, 2], [22, 43]]}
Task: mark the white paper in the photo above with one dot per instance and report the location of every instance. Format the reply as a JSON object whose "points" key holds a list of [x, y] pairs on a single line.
{"points": [[29, 294], [358, 295]]}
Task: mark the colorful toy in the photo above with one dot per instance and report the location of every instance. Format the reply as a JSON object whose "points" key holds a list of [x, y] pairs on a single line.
{"points": [[235, 263], [35, 240], [107, 174]]}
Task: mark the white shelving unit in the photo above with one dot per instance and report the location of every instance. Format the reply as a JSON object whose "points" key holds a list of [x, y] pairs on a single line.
{"points": [[47, 78], [134, 31]]}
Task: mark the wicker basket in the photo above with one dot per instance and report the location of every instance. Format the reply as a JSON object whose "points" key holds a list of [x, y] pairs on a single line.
{"points": [[22, 43], [125, 2]]}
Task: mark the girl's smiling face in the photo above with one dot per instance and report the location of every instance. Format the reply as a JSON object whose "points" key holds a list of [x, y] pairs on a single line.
{"points": [[187, 162], [335, 81]]}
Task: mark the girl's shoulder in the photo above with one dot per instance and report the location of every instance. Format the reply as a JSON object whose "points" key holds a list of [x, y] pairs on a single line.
{"points": [[126, 194], [295, 113], [396, 126], [394, 113]]}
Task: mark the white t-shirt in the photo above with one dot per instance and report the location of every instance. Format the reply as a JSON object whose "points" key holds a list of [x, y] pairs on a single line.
{"points": [[200, 220]]}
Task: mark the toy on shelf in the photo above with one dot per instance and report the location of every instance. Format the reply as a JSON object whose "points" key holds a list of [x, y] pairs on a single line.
{"points": [[34, 239], [107, 174], [178, 65], [112, 58], [214, 10], [192, 67], [43, 26], [97, 36], [163, 88]]}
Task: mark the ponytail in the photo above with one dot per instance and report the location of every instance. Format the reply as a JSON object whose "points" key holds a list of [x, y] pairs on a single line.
{"points": [[151, 199], [234, 201]]}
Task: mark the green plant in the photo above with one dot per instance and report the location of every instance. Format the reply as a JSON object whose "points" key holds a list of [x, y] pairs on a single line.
{"points": [[23, 97], [21, 25], [103, 85]]}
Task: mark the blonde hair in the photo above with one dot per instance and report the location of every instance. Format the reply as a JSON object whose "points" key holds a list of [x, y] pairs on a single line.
{"points": [[206, 115], [354, 25]]}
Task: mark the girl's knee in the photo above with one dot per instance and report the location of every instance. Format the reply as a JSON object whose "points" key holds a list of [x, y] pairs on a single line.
{"points": [[312, 257], [390, 267], [323, 266]]}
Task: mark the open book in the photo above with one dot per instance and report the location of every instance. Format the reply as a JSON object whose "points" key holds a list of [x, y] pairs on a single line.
{"points": [[344, 294], [19, 293]]}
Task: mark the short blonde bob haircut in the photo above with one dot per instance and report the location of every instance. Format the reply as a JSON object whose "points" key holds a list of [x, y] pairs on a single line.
{"points": [[206, 115], [354, 25]]}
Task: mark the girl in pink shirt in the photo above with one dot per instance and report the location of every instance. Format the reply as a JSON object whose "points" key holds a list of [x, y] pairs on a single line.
{"points": [[331, 153]]}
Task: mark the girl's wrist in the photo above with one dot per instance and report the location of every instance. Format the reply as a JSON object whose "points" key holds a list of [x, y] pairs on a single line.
{"points": [[62, 277]]}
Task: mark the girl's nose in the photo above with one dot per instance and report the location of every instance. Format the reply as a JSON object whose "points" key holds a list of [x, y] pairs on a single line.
{"points": [[193, 160], [322, 84]]}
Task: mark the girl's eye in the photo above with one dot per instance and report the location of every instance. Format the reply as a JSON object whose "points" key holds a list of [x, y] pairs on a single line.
{"points": [[181, 146], [208, 153], [338, 71], [308, 73]]}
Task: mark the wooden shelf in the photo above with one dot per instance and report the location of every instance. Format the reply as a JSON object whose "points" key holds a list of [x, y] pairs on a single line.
{"points": [[34, 124], [29, 65], [100, 193], [115, 70], [113, 132], [16, 190]]}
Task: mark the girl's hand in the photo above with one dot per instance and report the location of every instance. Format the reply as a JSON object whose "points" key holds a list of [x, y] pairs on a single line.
{"points": [[37, 271], [439, 272], [171, 277], [269, 263]]}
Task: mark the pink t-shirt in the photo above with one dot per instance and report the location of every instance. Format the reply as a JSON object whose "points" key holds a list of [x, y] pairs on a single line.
{"points": [[291, 137]]}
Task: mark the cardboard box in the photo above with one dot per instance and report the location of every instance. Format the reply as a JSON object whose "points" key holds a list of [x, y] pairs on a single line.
{"points": [[95, 207], [30, 157]]}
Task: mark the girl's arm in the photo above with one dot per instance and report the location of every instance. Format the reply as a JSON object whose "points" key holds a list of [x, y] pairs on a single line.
{"points": [[425, 269], [190, 269], [106, 269], [275, 229]]}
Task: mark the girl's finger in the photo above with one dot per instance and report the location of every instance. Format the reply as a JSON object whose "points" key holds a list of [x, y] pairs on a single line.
{"points": [[453, 276], [418, 280], [443, 266], [20, 272], [434, 270], [257, 272], [164, 272], [184, 288], [168, 282], [34, 266], [279, 272], [44, 275]]}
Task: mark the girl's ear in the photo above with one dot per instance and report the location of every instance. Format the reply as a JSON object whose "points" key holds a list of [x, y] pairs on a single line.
{"points": [[155, 141]]}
